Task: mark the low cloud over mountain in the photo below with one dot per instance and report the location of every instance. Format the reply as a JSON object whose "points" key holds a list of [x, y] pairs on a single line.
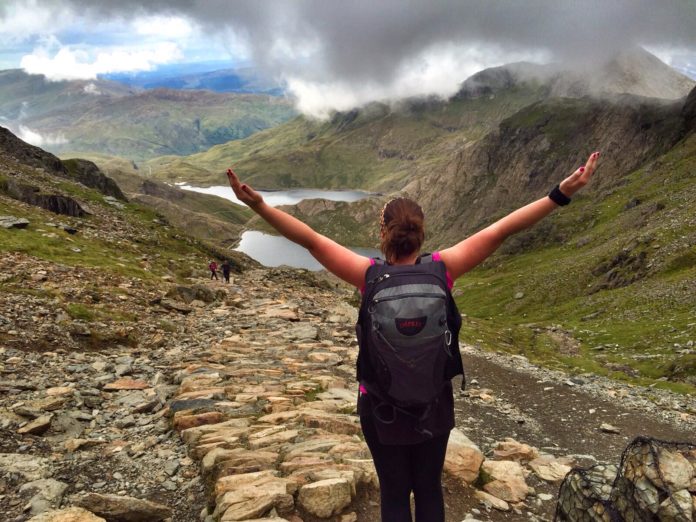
{"points": [[337, 55]]}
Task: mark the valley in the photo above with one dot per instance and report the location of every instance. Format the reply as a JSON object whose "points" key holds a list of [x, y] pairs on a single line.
{"points": [[128, 375]]}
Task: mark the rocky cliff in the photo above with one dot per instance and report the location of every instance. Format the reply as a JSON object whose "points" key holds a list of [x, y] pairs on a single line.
{"points": [[536, 148]]}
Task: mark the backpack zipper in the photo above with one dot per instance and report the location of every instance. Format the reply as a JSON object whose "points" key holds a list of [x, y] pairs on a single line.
{"points": [[401, 296], [382, 277]]}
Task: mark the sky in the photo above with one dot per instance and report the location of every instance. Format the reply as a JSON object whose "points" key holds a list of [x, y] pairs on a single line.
{"points": [[337, 54]]}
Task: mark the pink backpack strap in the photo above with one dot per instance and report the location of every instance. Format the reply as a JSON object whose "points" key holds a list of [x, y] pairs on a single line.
{"points": [[450, 281], [362, 288]]}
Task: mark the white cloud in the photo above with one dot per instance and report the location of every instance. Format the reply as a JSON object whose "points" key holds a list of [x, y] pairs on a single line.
{"points": [[165, 27], [682, 59], [91, 88], [71, 63], [26, 19], [438, 71], [40, 140]]}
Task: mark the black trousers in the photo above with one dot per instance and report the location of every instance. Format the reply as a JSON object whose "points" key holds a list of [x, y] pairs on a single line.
{"points": [[404, 469]]}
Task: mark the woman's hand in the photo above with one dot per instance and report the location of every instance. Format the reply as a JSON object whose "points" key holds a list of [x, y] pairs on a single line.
{"points": [[580, 177], [244, 193]]}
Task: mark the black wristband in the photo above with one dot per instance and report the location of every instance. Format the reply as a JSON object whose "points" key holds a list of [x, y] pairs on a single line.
{"points": [[558, 197]]}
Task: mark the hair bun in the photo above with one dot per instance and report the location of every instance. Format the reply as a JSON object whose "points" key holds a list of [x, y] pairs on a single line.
{"points": [[402, 226]]}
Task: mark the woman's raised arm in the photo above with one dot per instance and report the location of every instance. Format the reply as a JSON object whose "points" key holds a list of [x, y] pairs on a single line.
{"points": [[337, 259], [468, 253]]}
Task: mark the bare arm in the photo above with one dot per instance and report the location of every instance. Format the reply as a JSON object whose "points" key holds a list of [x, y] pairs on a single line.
{"points": [[468, 253], [337, 259]]}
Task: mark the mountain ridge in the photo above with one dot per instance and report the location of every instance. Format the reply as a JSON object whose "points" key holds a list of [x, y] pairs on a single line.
{"points": [[379, 146], [100, 116]]}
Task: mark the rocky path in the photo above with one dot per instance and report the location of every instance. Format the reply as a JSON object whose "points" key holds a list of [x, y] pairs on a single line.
{"points": [[245, 409], [569, 414]]}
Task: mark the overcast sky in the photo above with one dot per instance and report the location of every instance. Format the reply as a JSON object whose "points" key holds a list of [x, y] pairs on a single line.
{"points": [[335, 54]]}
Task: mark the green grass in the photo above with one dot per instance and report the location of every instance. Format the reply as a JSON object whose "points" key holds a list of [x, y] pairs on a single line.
{"points": [[140, 125], [81, 312], [167, 251], [374, 148], [627, 331]]}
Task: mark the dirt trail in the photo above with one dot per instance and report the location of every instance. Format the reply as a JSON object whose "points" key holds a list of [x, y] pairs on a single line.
{"points": [[557, 415]]}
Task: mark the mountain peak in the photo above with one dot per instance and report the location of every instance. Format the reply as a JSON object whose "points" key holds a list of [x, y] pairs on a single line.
{"points": [[632, 71]]}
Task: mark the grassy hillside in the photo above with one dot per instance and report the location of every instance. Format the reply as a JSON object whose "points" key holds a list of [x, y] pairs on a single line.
{"points": [[204, 216], [106, 117], [374, 148], [615, 295], [127, 239]]}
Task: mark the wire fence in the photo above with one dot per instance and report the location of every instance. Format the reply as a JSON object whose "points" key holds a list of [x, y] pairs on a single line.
{"points": [[655, 480]]}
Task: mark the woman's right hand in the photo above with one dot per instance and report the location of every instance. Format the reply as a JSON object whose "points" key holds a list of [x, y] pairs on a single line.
{"points": [[244, 193]]}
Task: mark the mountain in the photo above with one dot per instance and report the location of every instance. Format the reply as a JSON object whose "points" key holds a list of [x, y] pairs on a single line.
{"points": [[604, 285], [71, 217], [206, 76], [381, 147], [378, 147], [106, 117], [633, 71], [204, 216]]}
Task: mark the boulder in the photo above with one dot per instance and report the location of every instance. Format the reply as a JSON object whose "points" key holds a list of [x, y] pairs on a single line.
{"points": [[37, 426], [489, 500], [13, 222], [122, 508], [30, 467], [46, 494], [55, 203], [251, 495], [549, 468], [73, 514], [202, 293], [326, 497], [510, 449], [89, 175], [679, 507], [508, 480], [463, 458]]}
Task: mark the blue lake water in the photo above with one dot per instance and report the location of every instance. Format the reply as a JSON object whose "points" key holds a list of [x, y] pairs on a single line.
{"points": [[276, 250], [282, 197]]}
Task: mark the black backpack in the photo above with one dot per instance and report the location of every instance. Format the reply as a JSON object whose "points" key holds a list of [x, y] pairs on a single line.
{"points": [[408, 330]]}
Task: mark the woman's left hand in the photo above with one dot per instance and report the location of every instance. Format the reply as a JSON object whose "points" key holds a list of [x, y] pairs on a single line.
{"points": [[580, 177], [244, 193]]}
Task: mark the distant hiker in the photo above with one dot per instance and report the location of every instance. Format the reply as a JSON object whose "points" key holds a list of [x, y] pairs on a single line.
{"points": [[408, 334], [213, 270], [226, 270]]}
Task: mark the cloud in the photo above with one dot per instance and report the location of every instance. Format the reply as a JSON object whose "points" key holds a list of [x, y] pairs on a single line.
{"points": [[20, 21], [437, 72], [366, 48], [163, 26], [73, 63], [681, 59], [40, 140], [92, 88]]}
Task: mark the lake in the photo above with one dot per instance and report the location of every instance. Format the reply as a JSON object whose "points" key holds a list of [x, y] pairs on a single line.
{"points": [[282, 197], [276, 250]]}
